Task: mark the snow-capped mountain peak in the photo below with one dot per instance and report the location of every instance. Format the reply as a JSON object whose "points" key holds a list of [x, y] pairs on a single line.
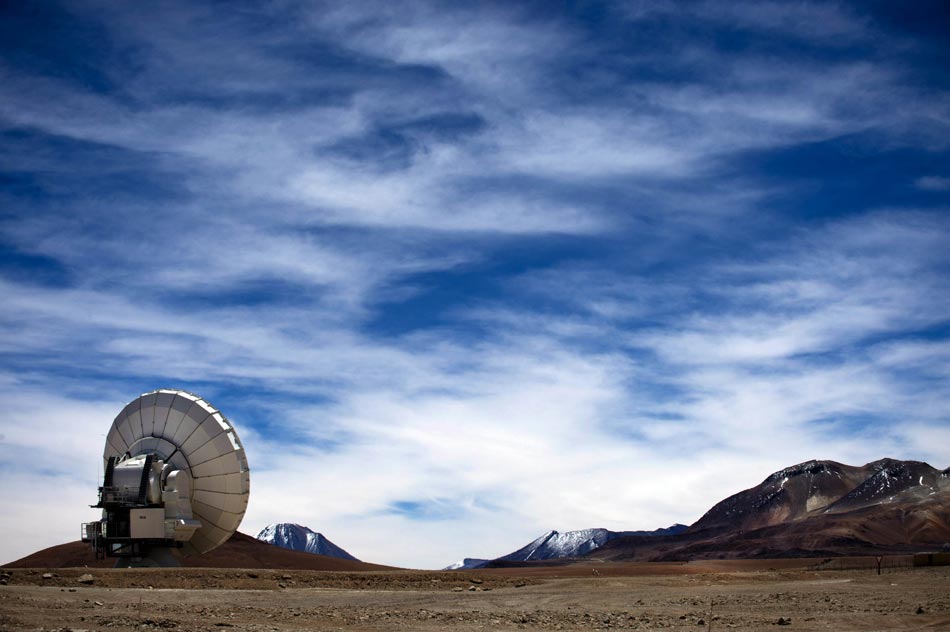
{"points": [[300, 538], [554, 545], [467, 564]]}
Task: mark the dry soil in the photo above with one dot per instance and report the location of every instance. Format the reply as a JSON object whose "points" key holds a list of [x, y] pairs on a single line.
{"points": [[727, 596]]}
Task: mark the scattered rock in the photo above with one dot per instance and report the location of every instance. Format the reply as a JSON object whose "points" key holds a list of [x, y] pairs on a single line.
{"points": [[471, 588], [86, 579], [47, 576], [784, 621], [252, 575], [98, 603], [475, 580], [281, 585], [701, 622], [920, 610], [458, 589], [72, 590]]}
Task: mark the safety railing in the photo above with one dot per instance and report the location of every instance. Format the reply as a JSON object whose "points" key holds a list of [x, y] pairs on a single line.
{"points": [[126, 494]]}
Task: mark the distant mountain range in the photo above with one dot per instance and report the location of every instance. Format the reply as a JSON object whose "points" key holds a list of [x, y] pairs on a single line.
{"points": [[555, 545], [299, 538], [815, 508]]}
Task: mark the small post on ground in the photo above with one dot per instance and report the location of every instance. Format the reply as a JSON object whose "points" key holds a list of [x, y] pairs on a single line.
{"points": [[880, 558]]}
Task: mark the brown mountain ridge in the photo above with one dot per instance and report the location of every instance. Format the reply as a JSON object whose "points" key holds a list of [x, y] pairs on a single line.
{"points": [[815, 508]]}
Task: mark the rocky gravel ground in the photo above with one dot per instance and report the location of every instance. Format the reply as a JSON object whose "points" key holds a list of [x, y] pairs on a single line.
{"points": [[237, 579], [254, 600]]}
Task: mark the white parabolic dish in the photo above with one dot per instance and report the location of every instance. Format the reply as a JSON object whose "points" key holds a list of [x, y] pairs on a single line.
{"points": [[187, 432]]}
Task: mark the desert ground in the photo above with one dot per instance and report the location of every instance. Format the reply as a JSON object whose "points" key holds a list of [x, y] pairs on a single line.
{"points": [[699, 596]]}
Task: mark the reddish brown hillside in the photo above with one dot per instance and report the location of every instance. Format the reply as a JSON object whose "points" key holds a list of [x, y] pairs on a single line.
{"points": [[786, 495], [241, 551], [816, 508], [815, 488]]}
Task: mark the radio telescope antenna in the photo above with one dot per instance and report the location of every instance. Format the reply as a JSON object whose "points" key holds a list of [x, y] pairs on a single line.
{"points": [[175, 480]]}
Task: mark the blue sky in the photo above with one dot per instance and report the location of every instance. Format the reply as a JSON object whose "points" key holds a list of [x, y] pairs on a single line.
{"points": [[463, 274]]}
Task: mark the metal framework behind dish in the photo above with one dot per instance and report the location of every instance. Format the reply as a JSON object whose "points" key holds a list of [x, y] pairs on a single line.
{"points": [[176, 478]]}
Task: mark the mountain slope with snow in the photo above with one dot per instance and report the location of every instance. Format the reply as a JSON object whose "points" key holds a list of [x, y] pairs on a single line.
{"points": [[467, 564], [818, 487], [815, 508], [556, 545], [891, 480], [299, 538]]}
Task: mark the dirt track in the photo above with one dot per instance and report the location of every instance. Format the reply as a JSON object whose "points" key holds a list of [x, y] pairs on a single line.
{"points": [[298, 600]]}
